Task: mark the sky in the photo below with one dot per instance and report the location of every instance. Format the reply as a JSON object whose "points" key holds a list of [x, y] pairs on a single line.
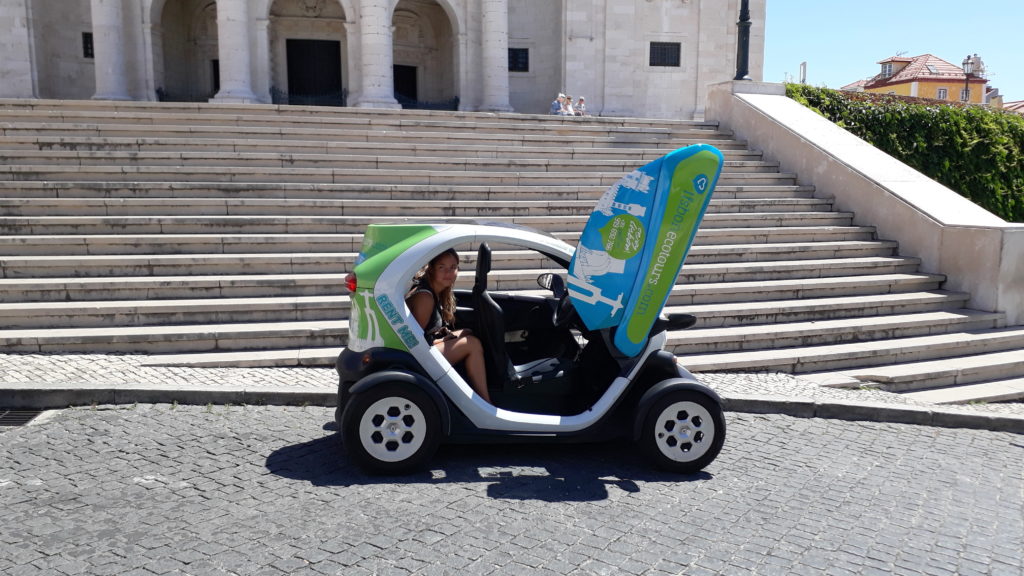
{"points": [[842, 41]]}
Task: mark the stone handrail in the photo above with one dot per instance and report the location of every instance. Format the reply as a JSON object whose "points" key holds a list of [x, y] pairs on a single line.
{"points": [[979, 253]]}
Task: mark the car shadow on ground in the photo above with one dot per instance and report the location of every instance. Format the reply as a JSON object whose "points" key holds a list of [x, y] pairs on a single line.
{"points": [[545, 472]]}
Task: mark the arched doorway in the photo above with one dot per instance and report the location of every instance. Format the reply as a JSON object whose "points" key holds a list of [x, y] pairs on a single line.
{"points": [[424, 55], [308, 45], [188, 42]]}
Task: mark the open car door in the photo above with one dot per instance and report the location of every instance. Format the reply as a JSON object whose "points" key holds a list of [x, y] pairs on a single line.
{"points": [[636, 241]]}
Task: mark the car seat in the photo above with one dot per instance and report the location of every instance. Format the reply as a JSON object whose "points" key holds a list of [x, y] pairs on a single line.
{"points": [[490, 323]]}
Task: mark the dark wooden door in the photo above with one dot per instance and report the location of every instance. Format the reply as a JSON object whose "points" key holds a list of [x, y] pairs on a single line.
{"points": [[314, 72], [406, 90]]}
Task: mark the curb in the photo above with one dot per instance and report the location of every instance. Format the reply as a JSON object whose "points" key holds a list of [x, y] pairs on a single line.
{"points": [[56, 398], [874, 412]]}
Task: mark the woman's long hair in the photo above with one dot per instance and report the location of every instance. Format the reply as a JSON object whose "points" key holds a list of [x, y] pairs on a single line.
{"points": [[446, 298]]}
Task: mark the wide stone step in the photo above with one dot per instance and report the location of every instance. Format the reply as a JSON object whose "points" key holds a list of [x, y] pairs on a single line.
{"points": [[772, 312], [814, 241], [121, 313], [266, 358], [23, 321], [71, 290], [943, 372], [801, 360], [836, 331], [558, 176], [52, 207], [376, 144], [703, 265], [648, 139], [197, 110], [72, 190], [176, 339], [153, 120], [813, 267], [724, 245], [238, 161], [102, 288], [839, 357], [801, 288], [205, 113], [221, 308], [219, 126], [569, 219], [1003, 390]]}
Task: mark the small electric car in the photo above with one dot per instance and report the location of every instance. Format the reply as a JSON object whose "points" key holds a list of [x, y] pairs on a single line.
{"points": [[553, 375]]}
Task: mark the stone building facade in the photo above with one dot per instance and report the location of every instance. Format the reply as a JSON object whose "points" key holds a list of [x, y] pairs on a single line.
{"points": [[647, 58]]}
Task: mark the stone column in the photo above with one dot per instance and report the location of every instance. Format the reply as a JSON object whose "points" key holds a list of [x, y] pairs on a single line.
{"points": [[495, 55], [234, 52], [17, 68], [108, 41], [377, 89], [353, 79], [261, 82], [467, 90]]}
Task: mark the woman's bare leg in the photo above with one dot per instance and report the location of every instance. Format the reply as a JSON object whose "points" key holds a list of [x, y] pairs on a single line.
{"points": [[468, 348]]}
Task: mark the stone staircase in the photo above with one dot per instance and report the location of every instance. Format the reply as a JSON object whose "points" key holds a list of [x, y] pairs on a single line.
{"points": [[216, 235]]}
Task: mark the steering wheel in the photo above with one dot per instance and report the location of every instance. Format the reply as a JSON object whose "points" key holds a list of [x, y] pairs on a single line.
{"points": [[565, 312]]}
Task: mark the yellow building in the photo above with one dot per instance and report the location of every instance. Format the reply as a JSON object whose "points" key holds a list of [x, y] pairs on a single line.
{"points": [[928, 76]]}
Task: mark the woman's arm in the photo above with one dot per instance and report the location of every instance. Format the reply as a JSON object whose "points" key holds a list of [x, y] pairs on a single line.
{"points": [[422, 306]]}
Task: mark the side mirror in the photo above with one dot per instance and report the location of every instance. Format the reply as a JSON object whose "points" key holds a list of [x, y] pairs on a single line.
{"points": [[552, 282], [545, 280]]}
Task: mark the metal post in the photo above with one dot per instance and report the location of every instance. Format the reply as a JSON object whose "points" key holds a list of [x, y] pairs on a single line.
{"points": [[743, 43], [968, 67]]}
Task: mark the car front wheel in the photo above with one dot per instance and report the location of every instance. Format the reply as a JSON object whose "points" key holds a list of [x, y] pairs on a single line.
{"points": [[683, 431], [391, 429]]}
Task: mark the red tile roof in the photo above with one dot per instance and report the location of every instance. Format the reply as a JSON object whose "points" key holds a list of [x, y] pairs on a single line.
{"points": [[855, 86], [924, 67], [1017, 106]]}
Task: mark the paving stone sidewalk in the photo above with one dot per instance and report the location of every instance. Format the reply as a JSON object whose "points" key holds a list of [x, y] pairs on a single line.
{"points": [[62, 380]]}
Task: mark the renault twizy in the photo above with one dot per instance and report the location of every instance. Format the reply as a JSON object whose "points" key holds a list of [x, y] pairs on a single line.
{"points": [[581, 360]]}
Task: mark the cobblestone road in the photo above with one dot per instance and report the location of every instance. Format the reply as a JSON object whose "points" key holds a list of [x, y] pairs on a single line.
{"points": [[162, 489]]}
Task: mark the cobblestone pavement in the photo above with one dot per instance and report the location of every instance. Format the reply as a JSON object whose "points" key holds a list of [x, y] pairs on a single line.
{"points": [[45, 370], [164, 489]]}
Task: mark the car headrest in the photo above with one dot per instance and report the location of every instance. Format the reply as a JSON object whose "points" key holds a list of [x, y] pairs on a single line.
{"points": [[483, 265]]}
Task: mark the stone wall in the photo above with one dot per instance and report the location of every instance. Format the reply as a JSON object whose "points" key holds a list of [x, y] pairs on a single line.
{"points": [[537, 27]]}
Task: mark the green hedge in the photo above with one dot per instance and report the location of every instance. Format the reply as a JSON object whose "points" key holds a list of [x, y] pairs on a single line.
{"points": [[976, 151]]}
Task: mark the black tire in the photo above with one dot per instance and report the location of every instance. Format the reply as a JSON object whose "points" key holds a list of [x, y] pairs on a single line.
{"points": [[683, 431], [391, 428]]}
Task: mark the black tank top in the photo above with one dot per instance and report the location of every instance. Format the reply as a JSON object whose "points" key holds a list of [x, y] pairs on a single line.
{"points": [[435, 324]]}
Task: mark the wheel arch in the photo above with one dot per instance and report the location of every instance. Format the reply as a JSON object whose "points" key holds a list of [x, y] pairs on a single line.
{"points": [[660, 389], [420, 382]]}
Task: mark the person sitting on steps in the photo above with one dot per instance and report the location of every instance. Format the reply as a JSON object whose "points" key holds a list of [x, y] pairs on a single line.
{"points": [[556, 104]]}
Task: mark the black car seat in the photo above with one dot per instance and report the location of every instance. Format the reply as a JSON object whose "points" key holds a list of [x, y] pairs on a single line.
{"points": [[490, 322]]}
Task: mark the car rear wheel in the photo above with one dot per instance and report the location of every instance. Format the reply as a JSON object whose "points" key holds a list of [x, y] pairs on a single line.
{"points": [[391, 429], [683, 431]]}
